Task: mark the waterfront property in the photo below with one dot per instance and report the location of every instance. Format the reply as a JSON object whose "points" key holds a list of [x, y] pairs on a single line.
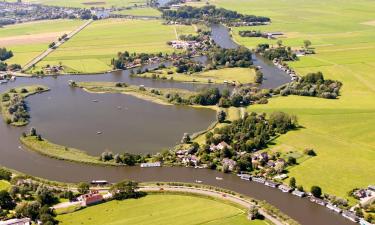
{"points": [[91, 198]]}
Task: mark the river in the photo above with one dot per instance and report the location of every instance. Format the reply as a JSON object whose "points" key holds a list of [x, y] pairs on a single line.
{"points": [[70, 117]]}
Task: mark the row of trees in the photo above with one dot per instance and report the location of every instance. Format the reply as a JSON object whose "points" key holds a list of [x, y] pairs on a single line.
{"points": [[125, 158], [209, 14]]}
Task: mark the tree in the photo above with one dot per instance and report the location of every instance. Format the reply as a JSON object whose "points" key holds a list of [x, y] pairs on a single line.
{"points": [[124, 189], [221, 116], [6, 201], [258, 77], [292, 182], [33, 132], [83, 188], [186, 138], [306, 44], [316, 191], [279, 43], [292, 160], [5, 174], [45, 196], [28, 209], [253, 212]]}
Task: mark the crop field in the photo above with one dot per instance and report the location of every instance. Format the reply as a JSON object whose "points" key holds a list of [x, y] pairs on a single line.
{"points": [[160, 209], [140, 12], [28, 40], [92, 49], [341, 131], [87, 3]]}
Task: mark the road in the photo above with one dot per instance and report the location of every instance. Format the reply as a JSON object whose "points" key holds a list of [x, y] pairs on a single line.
{"points": [[50, 50]]}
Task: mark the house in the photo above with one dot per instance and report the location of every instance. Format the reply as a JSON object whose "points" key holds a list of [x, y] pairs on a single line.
{"points": [[284, 188], [351, 216], [154, 164], [271, 184], [219, 146], [299, 193], [318, 201], [259, 179], [100, 13], [333, 208], [90, 199], [245, 177], [23, 221]]}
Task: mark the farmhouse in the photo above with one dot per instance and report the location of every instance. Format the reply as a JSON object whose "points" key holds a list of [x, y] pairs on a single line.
{"points": [[23, 221], [90, 199], [219, 147]]}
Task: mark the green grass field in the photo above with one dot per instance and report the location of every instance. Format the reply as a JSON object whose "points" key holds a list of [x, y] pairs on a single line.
{"points": [[92, 49], [28, 40], [140, 12], [87, 3], [160, 209], [341, 131]]}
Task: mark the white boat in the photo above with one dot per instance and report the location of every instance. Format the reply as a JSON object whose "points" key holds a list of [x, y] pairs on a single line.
{"points": [[198, 181], [99, 132], [219, 178], [95, 100], [3, 81]]}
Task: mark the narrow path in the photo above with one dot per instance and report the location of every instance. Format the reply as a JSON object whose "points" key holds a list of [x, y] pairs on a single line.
{"points": [[175, 31], [44, 54]]}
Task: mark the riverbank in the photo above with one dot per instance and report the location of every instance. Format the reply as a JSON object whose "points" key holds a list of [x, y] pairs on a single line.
{"points": [[13, 108], [55, 151], [149, 94]]}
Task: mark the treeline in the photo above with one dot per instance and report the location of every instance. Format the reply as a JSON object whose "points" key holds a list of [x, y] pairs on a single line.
{"points": [[281, 52], [126, 59], [125, 158], [251, 33], [209, 14], [313, 84], [239, 57], [5, 54]]}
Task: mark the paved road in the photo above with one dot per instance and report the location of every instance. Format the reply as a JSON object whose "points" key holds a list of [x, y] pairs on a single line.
{"points": [[59, 43]]}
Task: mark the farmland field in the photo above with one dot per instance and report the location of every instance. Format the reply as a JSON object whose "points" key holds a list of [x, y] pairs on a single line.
{"points": [[86, 3], [160, 209], [140, 12], [341, 131], [27, 40], [93, 48]]}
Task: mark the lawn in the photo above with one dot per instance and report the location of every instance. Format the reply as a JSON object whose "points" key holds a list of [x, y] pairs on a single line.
{"points": [[341, 131], [87, 3], [140, 12], [4, 185], [93, 48], [27, 40], [160, 209]]}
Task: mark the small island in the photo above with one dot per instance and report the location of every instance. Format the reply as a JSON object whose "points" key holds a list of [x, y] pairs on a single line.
{"points": [[13, 106]]}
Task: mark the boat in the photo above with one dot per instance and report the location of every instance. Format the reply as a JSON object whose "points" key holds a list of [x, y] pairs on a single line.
{"points": [[99, 132], [95, 100], [219, 178], [198, 181], [3, 81]]}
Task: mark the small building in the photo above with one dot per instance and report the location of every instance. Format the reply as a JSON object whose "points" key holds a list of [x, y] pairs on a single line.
{"points": [[318, 201], [258, 179], [219, 146], [333, 208], [364, 222], [99, 182], [23, 221], [154, 164], [351, 216], [245, 177], [271, 184], [284, 188], [298, 193], [90, 199]]}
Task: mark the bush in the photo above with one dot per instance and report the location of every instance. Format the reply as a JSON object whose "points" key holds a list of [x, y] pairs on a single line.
{"points": [[316, 191]]}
